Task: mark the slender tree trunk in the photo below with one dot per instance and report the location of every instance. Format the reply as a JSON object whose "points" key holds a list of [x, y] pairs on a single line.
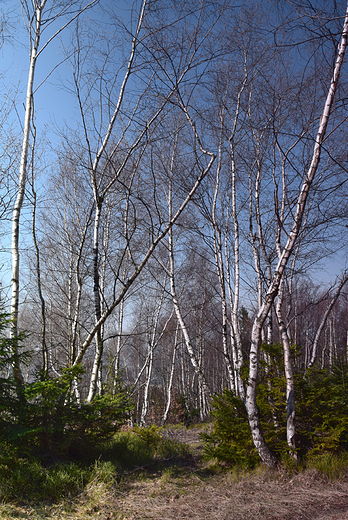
{"points": [[324, 320], [202, 384], [152, 344], [145, 406], [220, 267], [289, 376], [234, 301], [97, 305], [171, 377], [195, 363], [21, 188], [119, 342], [45, 358], [266, 456], [331, 344]]}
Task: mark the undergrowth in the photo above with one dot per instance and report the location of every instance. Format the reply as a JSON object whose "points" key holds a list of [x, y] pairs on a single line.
{"points": [[27, 479], [329, 465]]}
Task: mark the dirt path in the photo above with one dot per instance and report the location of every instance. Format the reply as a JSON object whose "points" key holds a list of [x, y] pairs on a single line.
{"points": [[221, 498], [188, 490], [265, 495]]}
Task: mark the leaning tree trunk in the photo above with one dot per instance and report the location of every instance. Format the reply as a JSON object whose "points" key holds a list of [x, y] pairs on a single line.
{"points": [[254, 421], [289, 376], [324, 319]]}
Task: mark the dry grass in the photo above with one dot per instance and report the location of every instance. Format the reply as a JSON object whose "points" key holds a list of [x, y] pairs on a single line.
{"points": [[191, 490], [224, 497]]}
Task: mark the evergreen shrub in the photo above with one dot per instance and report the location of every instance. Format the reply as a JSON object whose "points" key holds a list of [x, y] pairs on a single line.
{"points": [[321, 401]]}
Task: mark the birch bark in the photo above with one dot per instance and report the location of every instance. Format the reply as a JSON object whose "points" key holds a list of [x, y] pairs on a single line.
{"points": [[34, 15], [266, 456], [171, 377], [324, 320], [34, 36], [102, 182]]}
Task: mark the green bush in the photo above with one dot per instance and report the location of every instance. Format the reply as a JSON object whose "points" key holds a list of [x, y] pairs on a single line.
{"points": [[53, 446], [11, 402], [43, 418], [157, 446], [322, 411], [27, 479], [321, 414], [55, 425], [230, 441]]}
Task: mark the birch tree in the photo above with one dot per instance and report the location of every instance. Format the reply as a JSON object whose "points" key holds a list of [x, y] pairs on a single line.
{"points": [[324, 319], [118, 165], [287, 250], [38, 17]]}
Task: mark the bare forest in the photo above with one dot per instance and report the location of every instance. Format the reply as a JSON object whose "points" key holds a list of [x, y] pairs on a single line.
{"points": [[179, 228]]}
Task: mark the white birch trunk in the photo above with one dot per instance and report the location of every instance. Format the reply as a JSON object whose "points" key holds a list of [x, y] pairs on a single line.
{"points": [[238, 361], [202, 384], [324, 320], [266, 456], [223, 264], [331, 346], [289, 376], [219, 262], [97, 305], [45, 357], [22, 183], [145, 406], [34, 30], [171, 377], [103, 148], [119, 342], [152, 344]]}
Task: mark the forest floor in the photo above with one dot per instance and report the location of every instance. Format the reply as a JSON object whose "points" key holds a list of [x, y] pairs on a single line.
{"points": [[189, 489]]}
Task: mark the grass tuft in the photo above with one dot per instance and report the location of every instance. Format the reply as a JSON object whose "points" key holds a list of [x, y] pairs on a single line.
{"points": [[329, 465]]}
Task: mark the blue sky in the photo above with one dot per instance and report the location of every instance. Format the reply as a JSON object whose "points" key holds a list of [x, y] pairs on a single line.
{"points": [[54, 106]]}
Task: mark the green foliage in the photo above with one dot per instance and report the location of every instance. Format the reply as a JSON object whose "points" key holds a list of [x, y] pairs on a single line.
{"points": [[49, 423], [57, 426], [44, 419], [26, 479], [150, 436], [322, 411], [330, 465], [321, 414], [230, 441], [10, 406], [142, 446], [52, 446], [126, 450], [23, 479], [157, 446]]}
